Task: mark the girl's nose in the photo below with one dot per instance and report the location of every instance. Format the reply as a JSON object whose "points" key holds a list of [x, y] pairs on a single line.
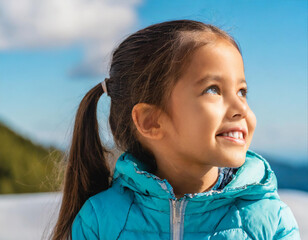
{"points": [[238, 108]]}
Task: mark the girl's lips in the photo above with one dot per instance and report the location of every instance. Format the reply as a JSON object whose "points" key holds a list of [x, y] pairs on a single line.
{"points": [[232, 129], [234, 140]]}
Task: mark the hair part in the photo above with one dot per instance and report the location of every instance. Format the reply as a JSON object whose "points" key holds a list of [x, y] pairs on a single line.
{"points": [[144, 69]]}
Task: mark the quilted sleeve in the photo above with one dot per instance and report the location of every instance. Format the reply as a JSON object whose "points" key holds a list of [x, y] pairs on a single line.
{"points": [[287, 226], [85, 224]]}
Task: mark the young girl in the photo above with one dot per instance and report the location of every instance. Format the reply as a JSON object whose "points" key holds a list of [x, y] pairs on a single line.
{"points": [[180, 116]]}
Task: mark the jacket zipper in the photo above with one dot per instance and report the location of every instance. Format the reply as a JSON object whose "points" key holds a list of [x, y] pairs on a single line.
{"points": [[177, 208]]}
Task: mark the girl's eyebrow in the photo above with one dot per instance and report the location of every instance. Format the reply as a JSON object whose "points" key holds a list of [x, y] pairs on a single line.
{"points": [[215, 78]]}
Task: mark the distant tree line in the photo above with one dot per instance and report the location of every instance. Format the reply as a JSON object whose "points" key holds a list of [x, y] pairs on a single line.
{"points": [[27, 167]]}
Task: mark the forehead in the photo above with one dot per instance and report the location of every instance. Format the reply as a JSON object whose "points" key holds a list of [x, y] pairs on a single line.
{"points": [[218, 61]]}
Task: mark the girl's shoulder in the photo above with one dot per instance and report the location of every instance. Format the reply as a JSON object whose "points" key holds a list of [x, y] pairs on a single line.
{"points": [[270, 213], [107, 208], [114, 196]]}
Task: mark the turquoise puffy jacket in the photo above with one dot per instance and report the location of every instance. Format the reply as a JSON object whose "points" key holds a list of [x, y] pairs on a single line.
{"points": [[139, 205]]}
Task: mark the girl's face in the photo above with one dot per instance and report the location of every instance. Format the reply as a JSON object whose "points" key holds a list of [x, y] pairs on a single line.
{"points": [[208, 99]]}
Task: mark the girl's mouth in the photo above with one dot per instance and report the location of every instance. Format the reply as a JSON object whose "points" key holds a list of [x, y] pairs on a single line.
{"points": [[232, 139]]}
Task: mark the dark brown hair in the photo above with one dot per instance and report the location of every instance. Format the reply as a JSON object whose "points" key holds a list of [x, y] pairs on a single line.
{"points": [[144, 68]]}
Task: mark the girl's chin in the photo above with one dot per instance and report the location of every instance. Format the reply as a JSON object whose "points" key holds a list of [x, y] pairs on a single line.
{"points": [[234, 161], [237, 164]]}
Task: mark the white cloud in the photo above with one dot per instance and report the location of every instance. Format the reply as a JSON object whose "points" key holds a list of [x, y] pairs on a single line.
{"points": [[95, 24]]}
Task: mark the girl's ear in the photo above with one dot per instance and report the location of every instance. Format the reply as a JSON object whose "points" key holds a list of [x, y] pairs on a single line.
{"points": [[146, 118]]}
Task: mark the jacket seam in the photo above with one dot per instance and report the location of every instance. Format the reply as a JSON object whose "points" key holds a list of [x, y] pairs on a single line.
{"points": [[126, 217], [291, 231], [138, 191], [84, 222], [207, 232], [244, 228], [159, 232], [94, 210], [143, 205], [228, 229], [229, 207]]}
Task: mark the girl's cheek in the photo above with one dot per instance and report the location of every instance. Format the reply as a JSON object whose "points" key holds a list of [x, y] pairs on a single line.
{"points": [[251, 121]]}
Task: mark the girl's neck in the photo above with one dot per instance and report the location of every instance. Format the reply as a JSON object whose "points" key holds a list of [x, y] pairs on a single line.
{"points": [[190, 179]]}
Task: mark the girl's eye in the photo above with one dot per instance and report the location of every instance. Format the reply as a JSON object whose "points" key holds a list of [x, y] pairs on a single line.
{"points": [[216, 89], [244, 92]]}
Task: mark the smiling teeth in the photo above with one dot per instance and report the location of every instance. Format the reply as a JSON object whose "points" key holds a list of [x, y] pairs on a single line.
{"points": [[238, 135]]}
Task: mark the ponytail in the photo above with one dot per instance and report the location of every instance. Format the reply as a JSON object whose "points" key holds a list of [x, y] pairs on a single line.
{"points": [[87, 171]]}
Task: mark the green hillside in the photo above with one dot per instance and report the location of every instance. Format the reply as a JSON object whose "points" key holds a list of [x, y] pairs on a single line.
{"points": [[26, 167]]}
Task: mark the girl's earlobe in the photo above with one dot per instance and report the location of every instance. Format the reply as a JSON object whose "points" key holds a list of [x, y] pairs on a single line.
{"points": [[145, 118]]}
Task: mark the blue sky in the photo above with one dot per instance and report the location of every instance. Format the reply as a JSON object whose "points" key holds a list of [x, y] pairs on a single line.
{"points": [[52, 53]]}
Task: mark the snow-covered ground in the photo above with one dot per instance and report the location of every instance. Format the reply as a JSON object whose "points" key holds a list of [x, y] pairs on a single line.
{"points": [[29, 216]]}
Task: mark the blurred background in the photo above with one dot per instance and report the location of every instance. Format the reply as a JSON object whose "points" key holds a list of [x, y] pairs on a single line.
{"points": [[53, 52]]}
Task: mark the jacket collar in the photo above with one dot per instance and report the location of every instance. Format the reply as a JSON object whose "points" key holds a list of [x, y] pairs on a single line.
{"points": [[253, 180]]}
